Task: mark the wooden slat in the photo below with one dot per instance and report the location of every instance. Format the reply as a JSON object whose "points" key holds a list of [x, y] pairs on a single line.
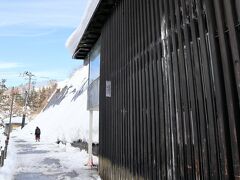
{"points": [[174, 110], [229, 86]]}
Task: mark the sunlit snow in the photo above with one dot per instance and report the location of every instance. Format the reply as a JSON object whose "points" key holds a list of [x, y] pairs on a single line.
{"points": [[65, 118]]}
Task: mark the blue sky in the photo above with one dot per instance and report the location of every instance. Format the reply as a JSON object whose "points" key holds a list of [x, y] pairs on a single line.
{"points": [[33, 35]]}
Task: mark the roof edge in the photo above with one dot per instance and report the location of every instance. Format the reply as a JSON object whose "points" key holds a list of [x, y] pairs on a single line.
{"points": [[84, 38], [73, 40]]}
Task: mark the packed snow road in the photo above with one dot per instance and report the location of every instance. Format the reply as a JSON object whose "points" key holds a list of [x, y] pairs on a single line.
{"points": [[46, 161]]}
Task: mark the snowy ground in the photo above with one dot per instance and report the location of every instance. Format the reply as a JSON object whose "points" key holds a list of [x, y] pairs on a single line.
{"points": [[28, 160], [2, 138], [65, 118]]}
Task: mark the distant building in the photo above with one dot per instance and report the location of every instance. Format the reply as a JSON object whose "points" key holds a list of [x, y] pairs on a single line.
{"points": [[169, 102], [16, 122]]}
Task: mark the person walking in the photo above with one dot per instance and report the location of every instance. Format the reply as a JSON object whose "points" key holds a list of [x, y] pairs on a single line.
{"points": [[37, 134]]}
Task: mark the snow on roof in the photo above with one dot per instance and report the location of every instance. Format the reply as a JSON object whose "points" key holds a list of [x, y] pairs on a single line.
{"points": [[17, 119], [75, 37]]}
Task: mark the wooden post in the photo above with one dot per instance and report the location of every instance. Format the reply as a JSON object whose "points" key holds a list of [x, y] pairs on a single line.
{"points": [[2, 158], [5, 152]]}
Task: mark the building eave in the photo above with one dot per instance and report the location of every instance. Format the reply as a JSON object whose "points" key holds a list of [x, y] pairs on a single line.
{"points": [[86, 35]]}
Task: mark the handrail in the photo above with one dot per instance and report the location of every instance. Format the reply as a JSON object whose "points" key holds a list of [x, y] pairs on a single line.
{"points": [[3, 151]]}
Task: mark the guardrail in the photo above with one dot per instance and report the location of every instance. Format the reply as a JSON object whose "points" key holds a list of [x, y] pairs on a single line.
{"points": [[3, 146], [3, 154]]}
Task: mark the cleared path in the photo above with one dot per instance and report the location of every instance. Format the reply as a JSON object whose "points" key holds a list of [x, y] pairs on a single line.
{"points": [[50, 161]]}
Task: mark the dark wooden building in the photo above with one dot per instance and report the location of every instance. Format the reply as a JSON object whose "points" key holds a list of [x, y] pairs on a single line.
{"points": [[169, 88]]}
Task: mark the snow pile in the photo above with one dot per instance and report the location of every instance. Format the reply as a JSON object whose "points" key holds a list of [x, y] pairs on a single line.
{"points": [[66, 118], [6, 172], [2, 139]]}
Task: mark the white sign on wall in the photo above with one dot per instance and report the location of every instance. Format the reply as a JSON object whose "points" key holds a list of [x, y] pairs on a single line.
{"points": [[108, 88]]}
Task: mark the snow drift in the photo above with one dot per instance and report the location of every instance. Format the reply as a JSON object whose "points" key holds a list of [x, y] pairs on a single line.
{"points": [[65, 117]]}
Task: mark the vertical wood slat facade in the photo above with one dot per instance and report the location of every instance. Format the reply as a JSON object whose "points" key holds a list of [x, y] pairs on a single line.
{"points": [[174, 110]]}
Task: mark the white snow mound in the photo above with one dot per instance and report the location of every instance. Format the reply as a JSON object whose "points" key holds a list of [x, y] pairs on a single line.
{"points": [[66, 117]]}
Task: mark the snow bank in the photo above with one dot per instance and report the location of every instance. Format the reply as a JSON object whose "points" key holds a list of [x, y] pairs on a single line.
{"points": [[2, 139], [66, 117], [7, 171]]}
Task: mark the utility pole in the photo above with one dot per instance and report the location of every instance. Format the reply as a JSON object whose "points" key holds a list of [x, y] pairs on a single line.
{"points": [[2, 86], [29, 75]]}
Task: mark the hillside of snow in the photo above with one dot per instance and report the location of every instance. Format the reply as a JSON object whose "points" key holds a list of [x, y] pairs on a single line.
{"points": [[65, 117]]}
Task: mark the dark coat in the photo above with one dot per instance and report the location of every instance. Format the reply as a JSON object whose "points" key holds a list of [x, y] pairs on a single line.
{"points": [[37, 131]]}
